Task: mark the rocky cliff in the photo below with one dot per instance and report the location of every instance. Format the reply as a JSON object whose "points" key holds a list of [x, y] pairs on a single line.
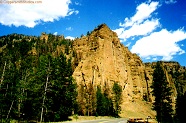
{"points": [[102, 60]]}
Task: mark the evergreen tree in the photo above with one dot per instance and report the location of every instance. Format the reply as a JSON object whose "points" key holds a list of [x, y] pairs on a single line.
{"points": [[39, 81], [34, 87], [117, 90], [104, 104], [63, 91], [99, 97], [81, 100], [162, 93], [88, 33], [91, 100], [13, 79], [180, 108], [9, 92], [101, 108], [181, 99]]}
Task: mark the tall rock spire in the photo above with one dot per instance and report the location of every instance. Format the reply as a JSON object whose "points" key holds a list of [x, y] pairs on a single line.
{"points": [[104, 60]]}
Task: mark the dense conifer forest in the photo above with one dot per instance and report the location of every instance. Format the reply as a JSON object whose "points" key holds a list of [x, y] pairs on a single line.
{"points": [[37, 84]]}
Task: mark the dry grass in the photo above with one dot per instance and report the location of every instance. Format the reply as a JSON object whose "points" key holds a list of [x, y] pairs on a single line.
{"points": [[81, 118], [137, 109]]}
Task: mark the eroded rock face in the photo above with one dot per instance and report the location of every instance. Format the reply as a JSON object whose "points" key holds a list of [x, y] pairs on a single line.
{"points": [[44, 36], [103, 60]]}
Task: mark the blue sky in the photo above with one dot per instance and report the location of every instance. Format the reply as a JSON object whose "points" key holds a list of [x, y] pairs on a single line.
{"points": [[155, 30]]}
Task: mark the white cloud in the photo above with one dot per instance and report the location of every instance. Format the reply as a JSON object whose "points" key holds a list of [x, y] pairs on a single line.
{"points": [[77, 3], [70, 37], [55, 33], [162, 43], [76, 12], [143, 12], [73, 12], [30, 15], [155, 58], [128, 44], [140, 29], [119, 31], [147, 58], [170, 1], [141, 23], [154, 44], [69, 28]]}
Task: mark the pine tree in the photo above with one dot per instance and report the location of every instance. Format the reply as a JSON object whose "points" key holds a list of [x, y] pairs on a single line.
{"points": [[91, 107], [99, 97], [81, 100], [34, 87], [104, 103], [13, 78], [117, 90], [180, 108], [63, 90], [181, 99], [162, 93], [9, 92]]}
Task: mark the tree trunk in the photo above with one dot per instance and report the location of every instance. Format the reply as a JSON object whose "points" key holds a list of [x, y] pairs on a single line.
{"points": [[19, 108], [3, 74], [9, 110], [22, 91], [41, 118]]}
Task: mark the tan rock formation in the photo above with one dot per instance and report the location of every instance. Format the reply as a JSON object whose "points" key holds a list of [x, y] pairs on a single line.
{"points": [[103, 60], [44, 36]]}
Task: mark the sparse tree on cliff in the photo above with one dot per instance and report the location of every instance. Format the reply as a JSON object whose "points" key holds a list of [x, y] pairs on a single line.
{"points": [[162, 92]]}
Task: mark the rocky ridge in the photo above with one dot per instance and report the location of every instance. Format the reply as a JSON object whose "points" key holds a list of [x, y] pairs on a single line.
{"points": [[103, 60]]}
